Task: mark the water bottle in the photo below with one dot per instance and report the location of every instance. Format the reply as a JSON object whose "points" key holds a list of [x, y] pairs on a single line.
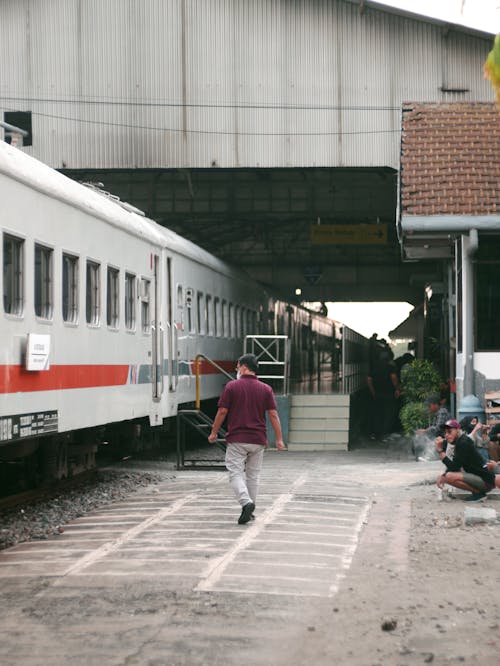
{"points": [[440, 495]]}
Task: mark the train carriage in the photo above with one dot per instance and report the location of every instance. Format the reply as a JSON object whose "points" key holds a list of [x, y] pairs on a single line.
{"points": [[105, 312]]}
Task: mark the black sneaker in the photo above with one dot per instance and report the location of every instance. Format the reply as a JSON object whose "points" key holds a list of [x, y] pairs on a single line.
{"points": [[246, 513], [475, 497]]}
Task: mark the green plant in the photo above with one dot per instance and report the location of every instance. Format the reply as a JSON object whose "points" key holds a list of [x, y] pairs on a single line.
{"points": [[418, 380], [414, 415]]}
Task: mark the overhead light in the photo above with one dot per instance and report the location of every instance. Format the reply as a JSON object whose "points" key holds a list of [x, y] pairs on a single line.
{"points": [[298, 291]]}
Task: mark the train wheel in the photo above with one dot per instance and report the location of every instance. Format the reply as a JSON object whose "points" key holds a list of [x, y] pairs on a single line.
{"points": [[54, 461]]}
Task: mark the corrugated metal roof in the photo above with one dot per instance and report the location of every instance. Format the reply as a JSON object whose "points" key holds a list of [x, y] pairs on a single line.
{"points": [[225, 83]]}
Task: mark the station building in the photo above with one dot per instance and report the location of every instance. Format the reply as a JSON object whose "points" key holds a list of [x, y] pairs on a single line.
{"points": [[277, 136]]}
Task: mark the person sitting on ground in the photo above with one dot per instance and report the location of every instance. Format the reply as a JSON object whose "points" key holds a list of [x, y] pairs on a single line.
{"points": [[494, 444], [466, 471], [468, 423], [439, 415], [478, 432]]}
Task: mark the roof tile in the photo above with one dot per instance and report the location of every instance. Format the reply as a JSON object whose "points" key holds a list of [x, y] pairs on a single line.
{"points": [[450, 159]]}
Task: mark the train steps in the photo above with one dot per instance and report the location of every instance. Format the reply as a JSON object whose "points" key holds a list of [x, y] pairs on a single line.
{"points": [[318, 422], [194, 420]]}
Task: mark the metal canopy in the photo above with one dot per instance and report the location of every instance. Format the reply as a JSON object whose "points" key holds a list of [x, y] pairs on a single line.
{"points": [[433, 236], [330, 232]]}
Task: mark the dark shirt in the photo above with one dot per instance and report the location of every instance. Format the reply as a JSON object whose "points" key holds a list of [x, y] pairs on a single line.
{"points": [[468, 459], [494, 432], [382, 377], [247, 400]]}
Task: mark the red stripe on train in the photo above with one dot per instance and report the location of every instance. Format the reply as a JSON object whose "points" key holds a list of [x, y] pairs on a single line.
{"points": [[15, 379], [207, 368]]}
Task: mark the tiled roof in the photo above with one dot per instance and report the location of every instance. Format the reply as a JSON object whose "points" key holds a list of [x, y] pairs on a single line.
{"points": [[450, 159]]}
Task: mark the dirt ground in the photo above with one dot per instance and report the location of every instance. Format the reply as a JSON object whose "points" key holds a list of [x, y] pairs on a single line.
{"points": [[420, 589]]}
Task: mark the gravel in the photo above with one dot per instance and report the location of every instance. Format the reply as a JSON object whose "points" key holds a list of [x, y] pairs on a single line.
{"points": [[46, 517]]}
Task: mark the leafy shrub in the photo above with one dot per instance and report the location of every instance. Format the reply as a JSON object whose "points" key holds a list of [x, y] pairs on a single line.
{"points": [[414, 415], [418, 380]]}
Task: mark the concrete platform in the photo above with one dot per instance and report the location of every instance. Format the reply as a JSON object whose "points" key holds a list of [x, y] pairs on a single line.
{"points": [[169, 577]]}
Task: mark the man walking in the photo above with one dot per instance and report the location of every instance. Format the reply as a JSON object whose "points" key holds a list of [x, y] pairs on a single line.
{"points": [[245, 402]]}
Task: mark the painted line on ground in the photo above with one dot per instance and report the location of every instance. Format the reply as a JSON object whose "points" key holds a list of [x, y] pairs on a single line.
{"points": [[215, 570], [107, 548]]}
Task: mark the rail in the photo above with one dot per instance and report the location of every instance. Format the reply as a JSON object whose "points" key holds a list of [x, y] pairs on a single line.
{"points": [[197, 362]]}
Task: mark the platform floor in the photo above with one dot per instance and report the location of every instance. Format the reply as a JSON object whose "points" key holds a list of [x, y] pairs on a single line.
{"points": [[169, 577]]}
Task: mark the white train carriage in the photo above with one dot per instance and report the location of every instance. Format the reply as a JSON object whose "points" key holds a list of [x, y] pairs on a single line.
{"points": [[104, 312]]}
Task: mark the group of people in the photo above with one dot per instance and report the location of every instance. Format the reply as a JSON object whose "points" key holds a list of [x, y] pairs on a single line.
{"points": [[466, 466], [469, 450], [384, 386]]}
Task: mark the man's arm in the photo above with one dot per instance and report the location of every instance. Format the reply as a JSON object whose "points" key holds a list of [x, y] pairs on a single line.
{"points": [[218, 421], [450, 464], [276, 425], [395, 383]]}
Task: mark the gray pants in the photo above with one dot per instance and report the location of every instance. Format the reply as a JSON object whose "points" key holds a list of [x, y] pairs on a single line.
{"points": [[244, 462]]}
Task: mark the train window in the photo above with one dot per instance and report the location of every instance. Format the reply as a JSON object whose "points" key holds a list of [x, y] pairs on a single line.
{"points": [[113, 297], [13, 269], [225, 322], [209, 315], [237, 322], [130, 301], [43, 281], [93, 294], [231, 320], [145, 309], [218, 317], [180, 307], [189, 310], [70, 288], [243, 322], [251, 322], [202, 313]]}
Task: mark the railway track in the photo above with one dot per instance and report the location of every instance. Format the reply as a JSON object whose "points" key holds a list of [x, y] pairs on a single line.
{"points": [[46, 492]]}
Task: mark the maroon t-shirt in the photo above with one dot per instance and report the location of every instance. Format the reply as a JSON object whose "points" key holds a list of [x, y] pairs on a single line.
{"points": [[247, 399]]}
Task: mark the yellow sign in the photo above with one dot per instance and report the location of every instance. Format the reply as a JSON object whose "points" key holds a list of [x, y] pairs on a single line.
{"points": [[349, 234]]}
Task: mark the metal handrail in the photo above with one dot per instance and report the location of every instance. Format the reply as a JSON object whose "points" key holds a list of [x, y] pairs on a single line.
{"points": [[197, 359]]}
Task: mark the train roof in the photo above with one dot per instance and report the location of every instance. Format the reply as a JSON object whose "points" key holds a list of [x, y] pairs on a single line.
{"points": [[16, 164]]}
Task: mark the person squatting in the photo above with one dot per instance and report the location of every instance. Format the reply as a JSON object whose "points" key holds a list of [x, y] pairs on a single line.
{"points": [[465, 467], [245, 401]]}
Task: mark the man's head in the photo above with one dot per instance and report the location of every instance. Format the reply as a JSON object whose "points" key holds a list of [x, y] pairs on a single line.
{"points": [[433, 402], [468, 423], [452, 430], [248, 362]]}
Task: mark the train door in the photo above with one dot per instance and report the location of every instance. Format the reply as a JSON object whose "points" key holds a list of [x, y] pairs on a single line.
{"points": [[171, 331], [156, 336]]}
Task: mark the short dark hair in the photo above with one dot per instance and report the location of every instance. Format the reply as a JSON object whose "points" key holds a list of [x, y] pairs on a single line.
{"points": [[433, 399], [250, 360]]}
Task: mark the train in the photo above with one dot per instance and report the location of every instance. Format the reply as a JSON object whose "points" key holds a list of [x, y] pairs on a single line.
{"points": [[106, 314]]}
